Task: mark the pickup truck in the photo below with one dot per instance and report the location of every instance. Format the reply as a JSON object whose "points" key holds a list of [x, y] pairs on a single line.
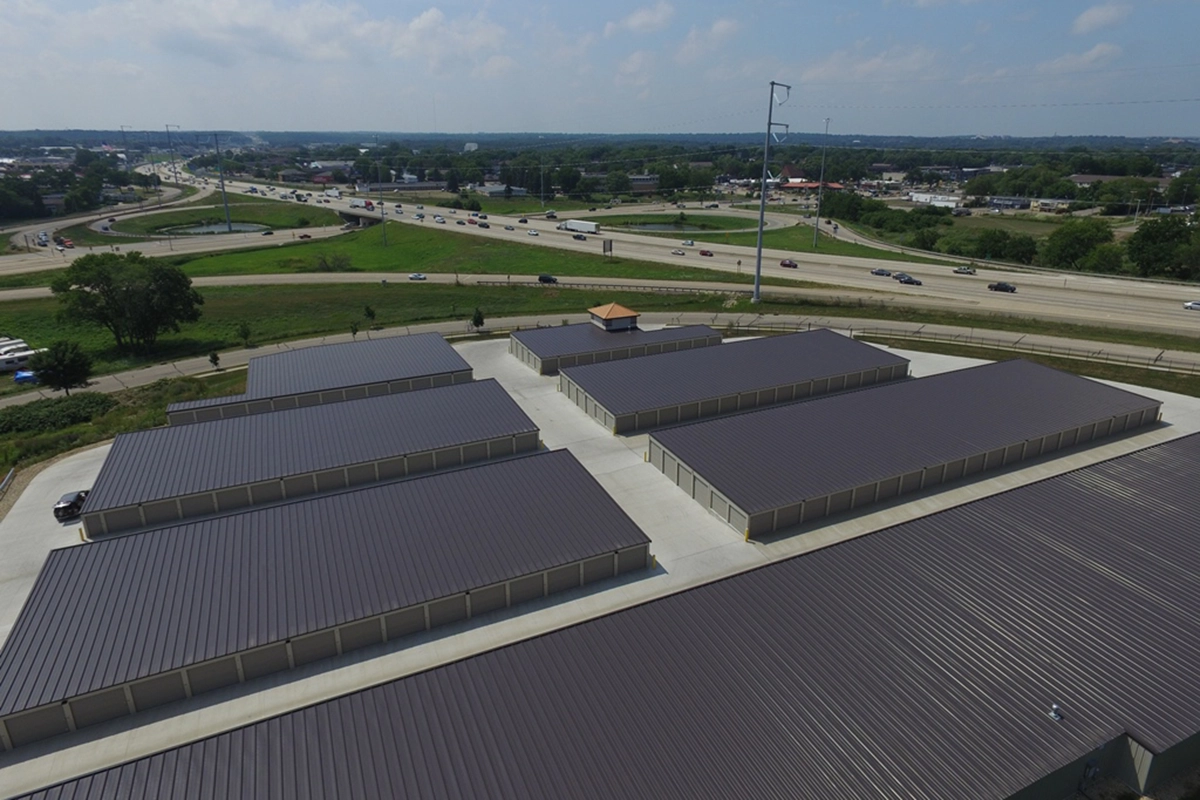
{"points": [[964, 270]]}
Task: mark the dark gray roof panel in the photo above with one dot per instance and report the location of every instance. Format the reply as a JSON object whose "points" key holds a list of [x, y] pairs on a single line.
{"points": [[565, 340], [126, 608], [335, 366], [687, 376], [185, 459], [781, 455], [918, 662]]}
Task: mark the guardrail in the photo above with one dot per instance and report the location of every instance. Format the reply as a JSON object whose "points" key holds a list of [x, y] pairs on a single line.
{"points": [[7, 482], [630, 287]]}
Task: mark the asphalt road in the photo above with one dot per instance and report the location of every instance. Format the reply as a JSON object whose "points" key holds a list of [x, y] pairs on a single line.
{"points": [[1082, 299]]}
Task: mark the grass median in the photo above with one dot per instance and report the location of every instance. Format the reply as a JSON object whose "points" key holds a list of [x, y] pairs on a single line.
{"points": [[272, 214]]}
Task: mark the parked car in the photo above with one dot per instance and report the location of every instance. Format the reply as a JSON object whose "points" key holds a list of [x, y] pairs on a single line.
{"points": [[579, 237], [1002, 286], [1192, 305], [547, 279], [25, 376], [910, 280], [706, 252], [886, 273], [416, 276], [787, 262], [70, 504], [964, 270], [678, 252]]}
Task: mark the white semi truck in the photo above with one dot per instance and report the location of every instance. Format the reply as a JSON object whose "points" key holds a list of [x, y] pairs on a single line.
{"points": [[336, 194], [578, 226]]}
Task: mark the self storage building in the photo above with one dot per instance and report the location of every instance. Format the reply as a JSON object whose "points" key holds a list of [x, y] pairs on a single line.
{"points": [[332, 373], [628, 396], [1020, 647], [546, 350], [777, 467], [158, 476], [137, 621]]}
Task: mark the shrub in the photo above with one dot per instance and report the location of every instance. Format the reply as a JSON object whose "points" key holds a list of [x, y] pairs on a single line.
{"points": [[54, 414]]}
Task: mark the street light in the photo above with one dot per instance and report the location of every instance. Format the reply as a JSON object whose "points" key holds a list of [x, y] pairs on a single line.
{"points": [[762, 203], [821, 184]]}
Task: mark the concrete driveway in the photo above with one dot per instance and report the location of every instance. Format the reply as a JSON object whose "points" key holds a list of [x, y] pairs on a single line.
{"points": [[29, 531]]}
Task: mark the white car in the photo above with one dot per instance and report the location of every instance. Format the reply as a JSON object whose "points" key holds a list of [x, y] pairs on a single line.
{"points": [[1192, 305], [416, 276], [688, 243], [532, 232], [678, 252]]}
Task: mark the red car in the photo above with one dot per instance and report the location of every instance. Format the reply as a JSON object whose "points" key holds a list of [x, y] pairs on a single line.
{"points": [[305, 236], [787, 262], [706, 252]]}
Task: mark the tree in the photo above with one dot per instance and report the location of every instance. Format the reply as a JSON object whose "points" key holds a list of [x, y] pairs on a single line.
{"points": [[214, 358], [617, 182], [369, 314], [244, 333], [477, 319], [354, 329], [1068, 246], [1156, 247], [452, 181], [62, 366], [134, 297]]}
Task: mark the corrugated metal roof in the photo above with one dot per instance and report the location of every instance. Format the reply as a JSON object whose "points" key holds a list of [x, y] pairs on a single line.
{"points": [[127, 608], [335, 366], [565, 340], [688, 376], [184, 459], [781, 455], [918, 662]]}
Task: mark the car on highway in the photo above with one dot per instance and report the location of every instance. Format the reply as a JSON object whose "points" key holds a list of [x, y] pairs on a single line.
{"points": [[593, 208], [416, 276], [688, 243], [482, 216], [899, 276], [112, 219], [787, 262], [420, 207], [886, 273], [418, 216], [964, 270], [484, 225], [70, 504], [268, 233], [579, 237], [1192, 305], [706, 252], [509, 228], [1002, 286], [910, 280], [459, 222], [523, 221], [678, 252], [547, 279], [472, 221], [305, 236], [532, 232]]}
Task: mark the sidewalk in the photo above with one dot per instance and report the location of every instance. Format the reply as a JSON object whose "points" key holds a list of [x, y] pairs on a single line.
{"points": [[1148, 357]]}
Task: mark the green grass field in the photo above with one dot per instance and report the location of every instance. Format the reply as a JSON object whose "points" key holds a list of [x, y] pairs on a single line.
{"points": [[274, 214], [237, 198], [799, 239]]}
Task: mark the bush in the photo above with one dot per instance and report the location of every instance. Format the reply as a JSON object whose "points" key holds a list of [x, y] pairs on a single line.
{"points": [[55, 414]]}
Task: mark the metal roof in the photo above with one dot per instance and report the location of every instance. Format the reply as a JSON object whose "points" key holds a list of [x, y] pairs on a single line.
{"points": [[613, 311], [688, 376], [336, 366], [126, 608], [565, 340], [777, 456], [917, 662], [185, 459]]}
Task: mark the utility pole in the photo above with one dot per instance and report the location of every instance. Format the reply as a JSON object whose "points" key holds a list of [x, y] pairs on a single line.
{"points": [[125, 145], [821, 184], [762, 202], [221, 177], [171, 150], [379, 178], [153, 174]]}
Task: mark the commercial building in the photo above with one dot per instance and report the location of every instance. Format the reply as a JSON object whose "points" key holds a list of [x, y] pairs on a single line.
{"points": [[546, 350], [161, 475], [332, 373], [627, 396], [138, 621], [1018, 647], [778, 467]]}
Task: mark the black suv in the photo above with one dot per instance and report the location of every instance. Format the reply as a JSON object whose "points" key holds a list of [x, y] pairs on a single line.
{"points": [[69, 505], [547, 279], [1002, 287]]}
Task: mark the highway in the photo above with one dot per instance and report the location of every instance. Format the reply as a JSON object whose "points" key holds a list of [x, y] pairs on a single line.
{"points": [[1078, 298]]}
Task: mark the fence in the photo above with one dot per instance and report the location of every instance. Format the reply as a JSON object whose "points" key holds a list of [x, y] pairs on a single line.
{"points": [[7, 482]]}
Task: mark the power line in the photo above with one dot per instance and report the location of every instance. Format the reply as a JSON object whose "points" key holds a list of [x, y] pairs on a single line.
{"points": [[1007, 105]]}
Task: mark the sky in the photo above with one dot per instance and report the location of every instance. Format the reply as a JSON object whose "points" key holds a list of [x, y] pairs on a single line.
{"points": [[880, 67]]}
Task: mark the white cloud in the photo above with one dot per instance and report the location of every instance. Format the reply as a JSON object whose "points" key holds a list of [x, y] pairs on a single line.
{"points": [[437, 40], [635, 69], [699, 43], [856, 65], [644, 20], [1098, 17], [1098, 56]]}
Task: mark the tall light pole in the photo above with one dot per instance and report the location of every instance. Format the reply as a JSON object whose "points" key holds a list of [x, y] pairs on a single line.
{"points": [[821, 184], [125, 145], [171, 150], [153, 173], [221, 177], [762, 203], [379, 178]]}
